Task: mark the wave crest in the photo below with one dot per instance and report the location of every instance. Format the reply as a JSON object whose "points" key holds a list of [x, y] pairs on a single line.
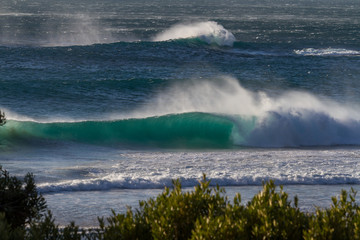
{"points": [[210, 32]]}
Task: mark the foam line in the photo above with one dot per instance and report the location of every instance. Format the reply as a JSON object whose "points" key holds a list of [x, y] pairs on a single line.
{"points": [[327, 52]]}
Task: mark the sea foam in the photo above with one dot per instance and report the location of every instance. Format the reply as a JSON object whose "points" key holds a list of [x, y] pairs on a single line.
{"points": [[151, 169]]}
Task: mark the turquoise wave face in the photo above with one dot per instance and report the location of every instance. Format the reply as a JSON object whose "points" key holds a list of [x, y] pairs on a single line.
{"points": [[194, 130], [189, 130]]}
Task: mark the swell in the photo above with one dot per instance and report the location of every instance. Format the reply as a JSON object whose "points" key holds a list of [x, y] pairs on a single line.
{"points": [[172, 51]]}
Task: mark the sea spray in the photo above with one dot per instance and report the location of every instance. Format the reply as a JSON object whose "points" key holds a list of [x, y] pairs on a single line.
{"points": [[81, 30], [225, 95], [290, 119]]}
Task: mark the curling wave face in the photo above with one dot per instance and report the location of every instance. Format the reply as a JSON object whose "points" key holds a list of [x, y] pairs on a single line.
{"points": [[183, 130]]}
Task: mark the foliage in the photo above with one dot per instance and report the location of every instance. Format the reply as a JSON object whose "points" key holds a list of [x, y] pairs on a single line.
{"points": [[229, 225], [341, 221], [46, 229], [269, 215], [204, 213], [7, 232], [19, 200], [126, 226], [2, 118], [171, 215]]}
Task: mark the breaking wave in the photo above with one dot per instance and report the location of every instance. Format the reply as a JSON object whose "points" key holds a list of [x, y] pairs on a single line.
{"points": [[197, 130], [209, 32], [209, 114]]}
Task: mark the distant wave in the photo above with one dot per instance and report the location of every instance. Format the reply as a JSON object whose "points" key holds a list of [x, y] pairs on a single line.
{"points": [[327, 52], [210, 32], [84, 30]]}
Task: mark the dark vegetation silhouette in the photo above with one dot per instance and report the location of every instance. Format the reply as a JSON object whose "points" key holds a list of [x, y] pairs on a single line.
{"points": [[2, 118]]}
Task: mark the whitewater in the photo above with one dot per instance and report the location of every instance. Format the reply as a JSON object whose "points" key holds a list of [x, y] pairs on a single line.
{"points": [[107, 102]]}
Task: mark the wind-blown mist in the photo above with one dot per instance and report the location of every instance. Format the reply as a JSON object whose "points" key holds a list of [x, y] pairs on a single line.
{"points": [[290, 119], [225, 95], [52, 29]]}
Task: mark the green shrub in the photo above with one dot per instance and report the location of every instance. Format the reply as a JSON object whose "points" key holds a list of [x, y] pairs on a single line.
{"points": [[126, 226], [229, 225], [341, 221], [19, 200], [45, 229], [9, 233], [269, 215], [205, 213], [171, 215]]}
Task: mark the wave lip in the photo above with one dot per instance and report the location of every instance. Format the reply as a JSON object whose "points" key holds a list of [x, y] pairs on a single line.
{"points": [[209, 32], [327, 52]]}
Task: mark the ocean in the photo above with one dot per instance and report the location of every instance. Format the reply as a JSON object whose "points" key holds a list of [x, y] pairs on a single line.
{"points": [[108, 101]]}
